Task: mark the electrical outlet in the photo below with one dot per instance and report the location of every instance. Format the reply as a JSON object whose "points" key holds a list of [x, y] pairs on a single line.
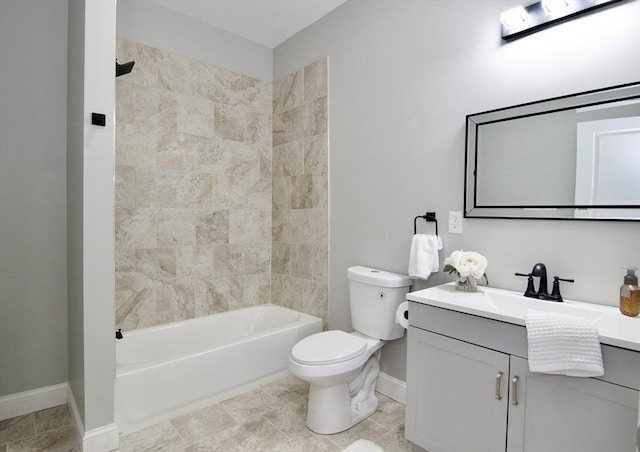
{"points": [[455, 222]]}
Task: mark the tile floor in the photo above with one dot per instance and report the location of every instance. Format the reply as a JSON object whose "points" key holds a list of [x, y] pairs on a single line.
{"points": [[270, 418]]}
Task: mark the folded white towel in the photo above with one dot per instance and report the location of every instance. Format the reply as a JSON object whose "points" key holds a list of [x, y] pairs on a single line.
{"points": [[423, 258], [563, 344]]}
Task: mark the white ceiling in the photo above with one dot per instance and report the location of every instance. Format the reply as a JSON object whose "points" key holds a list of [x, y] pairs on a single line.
{"points": [[267, 22]]}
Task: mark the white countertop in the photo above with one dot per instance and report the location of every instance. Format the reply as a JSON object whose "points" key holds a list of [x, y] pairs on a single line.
{"points": [[614, 328]]}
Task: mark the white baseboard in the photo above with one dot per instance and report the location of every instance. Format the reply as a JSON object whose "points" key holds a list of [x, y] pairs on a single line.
{"points": [[75, 414], [101, 439], [392, 387], [29, 401]]}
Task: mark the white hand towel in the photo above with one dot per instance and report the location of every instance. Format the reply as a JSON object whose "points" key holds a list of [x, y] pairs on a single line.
{"points": [[563, 344], [423, 258]]}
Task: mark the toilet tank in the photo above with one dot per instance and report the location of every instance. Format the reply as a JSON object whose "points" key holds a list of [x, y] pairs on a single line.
{"points": [[374, 296]]}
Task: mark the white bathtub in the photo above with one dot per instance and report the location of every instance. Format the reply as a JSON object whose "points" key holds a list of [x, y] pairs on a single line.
{"points": [[167, 370]]}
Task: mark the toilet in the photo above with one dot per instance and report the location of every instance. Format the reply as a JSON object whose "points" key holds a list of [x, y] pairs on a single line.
{"points": [[342, 368]]}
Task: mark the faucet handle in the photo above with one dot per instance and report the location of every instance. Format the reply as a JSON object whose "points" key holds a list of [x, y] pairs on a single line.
{"points": [[531, 291], [555, 293]]}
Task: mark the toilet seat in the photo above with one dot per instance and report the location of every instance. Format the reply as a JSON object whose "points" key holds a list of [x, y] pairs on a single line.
{"points": [[328, 347]]}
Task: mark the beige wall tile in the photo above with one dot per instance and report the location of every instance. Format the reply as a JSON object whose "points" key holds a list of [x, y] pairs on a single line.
{"points": [[156, 188], [210, 164], [230, 123], [293, 158], [319, 111], [193, 262], [176, 227], [195, 116], [125, 186], [212, 227], [135, 145], [302, 192], [316, 155], [315, 80], [194, 190], [135, 228], [281, 258]]}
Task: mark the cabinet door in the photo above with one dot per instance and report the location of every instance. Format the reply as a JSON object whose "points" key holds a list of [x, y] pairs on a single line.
{"points": [[455, 400], [566, 414]]}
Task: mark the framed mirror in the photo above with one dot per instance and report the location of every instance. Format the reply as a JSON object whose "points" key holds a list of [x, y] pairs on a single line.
{"points": [[571, 157]]}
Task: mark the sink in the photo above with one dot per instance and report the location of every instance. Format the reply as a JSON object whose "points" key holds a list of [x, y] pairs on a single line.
{"points": [[518, 305], [511, 307]]}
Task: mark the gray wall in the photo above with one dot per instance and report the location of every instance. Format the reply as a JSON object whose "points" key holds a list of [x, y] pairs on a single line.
{"points": [[146, 22], [33, 291], [402, 77]]}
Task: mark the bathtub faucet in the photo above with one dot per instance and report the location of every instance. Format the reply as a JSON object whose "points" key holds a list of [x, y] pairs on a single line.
{"points": [[119, 334]]}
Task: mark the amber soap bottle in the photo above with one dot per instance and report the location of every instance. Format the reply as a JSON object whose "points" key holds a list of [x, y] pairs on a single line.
{"points": [[630, 294]]}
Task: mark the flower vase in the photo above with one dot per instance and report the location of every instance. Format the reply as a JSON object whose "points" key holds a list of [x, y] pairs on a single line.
{"points": [[468, 284]]}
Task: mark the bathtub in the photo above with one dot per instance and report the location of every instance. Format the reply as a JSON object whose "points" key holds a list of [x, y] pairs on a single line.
{"points": [[167, 370]]}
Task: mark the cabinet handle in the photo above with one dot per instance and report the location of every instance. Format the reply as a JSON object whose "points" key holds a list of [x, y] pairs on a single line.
{"points": [[498, 384], [514, 390]]}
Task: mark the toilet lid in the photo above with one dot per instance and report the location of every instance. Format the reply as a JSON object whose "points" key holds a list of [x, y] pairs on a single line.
{"points": [[328, 347]]}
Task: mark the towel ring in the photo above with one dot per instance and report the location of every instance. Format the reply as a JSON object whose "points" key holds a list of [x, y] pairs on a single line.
{"points": [[429, 217]]}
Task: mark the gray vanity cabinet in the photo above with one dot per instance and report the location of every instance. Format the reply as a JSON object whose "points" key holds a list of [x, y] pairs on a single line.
{"points": [[469, 389], [451, 387], [558, 413]]}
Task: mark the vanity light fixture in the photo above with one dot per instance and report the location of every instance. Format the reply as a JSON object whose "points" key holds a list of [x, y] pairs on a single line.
{"points": [[523, 20], [551, 6]]}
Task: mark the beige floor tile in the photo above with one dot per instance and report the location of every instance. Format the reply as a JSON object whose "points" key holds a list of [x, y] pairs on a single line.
{"points": [[207, 445], [249, 406], [17, 428], [254, 436], [271, 419], [310, 442], [59, 440], [289, 417], [159, 437], [203, 423], [287, 389], [52, 418], [394, 441], [390, 414]]}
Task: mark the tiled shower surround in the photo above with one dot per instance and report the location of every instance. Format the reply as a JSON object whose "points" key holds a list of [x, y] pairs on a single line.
{"points": [[299, 216], [212, 214]]}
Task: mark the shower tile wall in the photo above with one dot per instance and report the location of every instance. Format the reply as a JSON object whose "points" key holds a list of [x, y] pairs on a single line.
{"points": [[300, 191], [206, 220], [193, 189]]}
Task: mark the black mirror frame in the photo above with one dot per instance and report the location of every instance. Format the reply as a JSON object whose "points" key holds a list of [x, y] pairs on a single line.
{"points": [[611, 94]]}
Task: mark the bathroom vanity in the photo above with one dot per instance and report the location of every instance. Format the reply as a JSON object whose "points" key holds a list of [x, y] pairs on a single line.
{"points": [[469, 387]]}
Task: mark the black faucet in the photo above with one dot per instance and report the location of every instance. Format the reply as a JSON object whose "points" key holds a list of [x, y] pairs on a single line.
{"points": [[555, 293], [119, 333], [540, 270]]}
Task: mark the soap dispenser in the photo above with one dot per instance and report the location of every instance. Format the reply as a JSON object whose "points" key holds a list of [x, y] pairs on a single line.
{"points": [[630, 293]]}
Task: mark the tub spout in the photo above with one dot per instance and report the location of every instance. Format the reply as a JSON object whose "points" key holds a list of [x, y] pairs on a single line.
{"points": [[119, 334]]}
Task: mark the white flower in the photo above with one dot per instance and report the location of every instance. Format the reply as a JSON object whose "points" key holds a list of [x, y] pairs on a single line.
{"points": [[454, 259], [467, 263]]}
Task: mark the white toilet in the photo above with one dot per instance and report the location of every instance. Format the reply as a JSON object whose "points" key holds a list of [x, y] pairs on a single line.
{"points": [[342, 368]]}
